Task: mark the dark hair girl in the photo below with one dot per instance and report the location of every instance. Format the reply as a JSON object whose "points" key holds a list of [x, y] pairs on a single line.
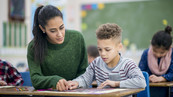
{"points": [[158, 59]]}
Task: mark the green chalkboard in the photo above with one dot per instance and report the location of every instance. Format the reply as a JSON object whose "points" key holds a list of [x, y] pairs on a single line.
{"points": [[139, 20]]}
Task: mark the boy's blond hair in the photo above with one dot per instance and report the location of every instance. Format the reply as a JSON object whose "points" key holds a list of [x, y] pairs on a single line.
{"points": [[109, 30]]}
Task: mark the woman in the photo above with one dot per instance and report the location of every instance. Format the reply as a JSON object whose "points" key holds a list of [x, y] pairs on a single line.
{"points": [[55, 54]]}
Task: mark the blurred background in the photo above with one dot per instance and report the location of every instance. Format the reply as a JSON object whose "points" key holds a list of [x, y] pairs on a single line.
{"points": [[139, 19]]}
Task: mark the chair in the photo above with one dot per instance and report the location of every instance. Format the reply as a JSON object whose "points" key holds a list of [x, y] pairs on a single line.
{"points": [[146, 92], [26, 78]]}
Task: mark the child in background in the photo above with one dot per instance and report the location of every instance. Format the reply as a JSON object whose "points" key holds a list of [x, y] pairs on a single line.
{"points": [[110, 69], [9, 75], [157, 60], [92, 53]]}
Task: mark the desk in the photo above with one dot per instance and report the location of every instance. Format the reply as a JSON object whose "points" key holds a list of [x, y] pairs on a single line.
{"points": [[164, 85], [31, 91]]}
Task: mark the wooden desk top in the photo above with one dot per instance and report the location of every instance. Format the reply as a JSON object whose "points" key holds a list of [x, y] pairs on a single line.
{"points": [[31, 91], [162, 84]]}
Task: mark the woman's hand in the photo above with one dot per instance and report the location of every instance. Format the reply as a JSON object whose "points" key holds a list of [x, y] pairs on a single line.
{"points": [[155, 79], [62, 85], [110, 83]]}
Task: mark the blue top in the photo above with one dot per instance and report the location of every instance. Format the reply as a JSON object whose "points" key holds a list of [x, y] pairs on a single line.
{"points": [[143, 65]]}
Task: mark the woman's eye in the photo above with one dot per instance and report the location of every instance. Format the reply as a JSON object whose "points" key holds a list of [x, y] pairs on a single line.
{"points": [[52, 31]]}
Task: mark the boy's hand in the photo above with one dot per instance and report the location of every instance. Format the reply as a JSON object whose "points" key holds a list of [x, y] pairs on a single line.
{"points": [[73, 85], [62, 85], [110, 83], [3, 83], [155, 79]]}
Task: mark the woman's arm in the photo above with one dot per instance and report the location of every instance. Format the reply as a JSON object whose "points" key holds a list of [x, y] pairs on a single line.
{"points": [[39, 81]]}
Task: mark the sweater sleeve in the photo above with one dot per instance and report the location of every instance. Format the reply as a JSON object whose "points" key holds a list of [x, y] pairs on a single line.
{"points": [[39, 81], [83, 56], [135, 77], [86, 79], [144, 61], [13, 76], [169, 74]]}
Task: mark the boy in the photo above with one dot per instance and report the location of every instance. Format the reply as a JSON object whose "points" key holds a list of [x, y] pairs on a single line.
{"points": [[110, 69], [9, 75]]}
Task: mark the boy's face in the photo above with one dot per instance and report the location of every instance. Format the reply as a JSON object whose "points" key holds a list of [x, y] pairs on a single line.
{"points": [[108, 50]]}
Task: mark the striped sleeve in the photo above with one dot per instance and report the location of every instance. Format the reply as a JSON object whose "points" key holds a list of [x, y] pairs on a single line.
{"points": [[134, 75], [86, 79]]}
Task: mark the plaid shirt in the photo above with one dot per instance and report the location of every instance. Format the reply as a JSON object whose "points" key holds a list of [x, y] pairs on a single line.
{"points": [[9, 74]]}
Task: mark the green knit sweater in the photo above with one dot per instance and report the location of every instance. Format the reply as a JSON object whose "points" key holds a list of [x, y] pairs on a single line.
{"points": [[67, 60]]}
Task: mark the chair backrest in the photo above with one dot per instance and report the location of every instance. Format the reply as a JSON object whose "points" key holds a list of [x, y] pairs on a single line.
{"points": [[26, 78], [146, 92]]}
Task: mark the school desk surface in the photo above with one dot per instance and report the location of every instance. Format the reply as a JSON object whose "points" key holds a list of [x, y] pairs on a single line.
{"points": [[92, 92]]}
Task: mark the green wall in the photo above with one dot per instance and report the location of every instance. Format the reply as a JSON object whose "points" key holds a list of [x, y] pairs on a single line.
{"points": [[139, 20]]}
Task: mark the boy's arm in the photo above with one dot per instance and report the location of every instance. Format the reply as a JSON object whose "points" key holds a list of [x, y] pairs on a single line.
{"points": [[135, 77], [86, 79], [110, 83], [72, 85]]}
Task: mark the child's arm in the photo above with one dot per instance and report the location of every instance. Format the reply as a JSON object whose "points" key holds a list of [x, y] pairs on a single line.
{"points": [[13, 75], [86, 79], [135, 78], [109, 83], [154, 78], [169, 74], [3, 83], [72, 85]]}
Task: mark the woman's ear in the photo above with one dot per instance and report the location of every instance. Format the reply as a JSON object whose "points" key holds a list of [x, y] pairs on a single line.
{"points": [[42, 28]]}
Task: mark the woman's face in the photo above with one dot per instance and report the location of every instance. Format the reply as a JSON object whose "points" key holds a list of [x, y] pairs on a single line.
{"points": [[55, 30], [159, 52]]}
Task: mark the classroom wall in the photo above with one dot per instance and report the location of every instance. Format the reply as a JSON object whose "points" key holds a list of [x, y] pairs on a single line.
{"points": [[3, 16], [14, 54], [137, 19], [73, 14]]}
